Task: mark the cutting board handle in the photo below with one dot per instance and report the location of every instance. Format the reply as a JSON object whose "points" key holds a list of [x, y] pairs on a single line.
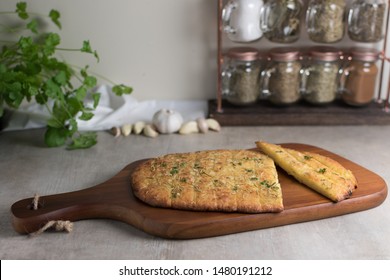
{"points": [[100, 201], [70, 206]]}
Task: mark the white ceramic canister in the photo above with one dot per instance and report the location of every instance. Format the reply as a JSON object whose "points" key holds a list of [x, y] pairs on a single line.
{"points": [[241, 20]]}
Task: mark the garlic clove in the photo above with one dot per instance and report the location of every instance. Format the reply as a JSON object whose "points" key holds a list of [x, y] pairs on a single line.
{"points": [[213, 125], [126, 129], [116, 131], [139, 127], [202, 125], [150, 131], [189, 127]]}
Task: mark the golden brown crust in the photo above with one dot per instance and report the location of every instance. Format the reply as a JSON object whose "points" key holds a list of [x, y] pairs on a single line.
{"points": [[219, 180], [318, 172]]}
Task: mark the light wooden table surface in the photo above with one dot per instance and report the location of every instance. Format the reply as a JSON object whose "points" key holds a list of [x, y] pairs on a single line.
{"points": [[27, 167]]}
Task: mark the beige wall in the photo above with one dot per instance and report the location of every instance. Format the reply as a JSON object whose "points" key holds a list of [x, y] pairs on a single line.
{"points": [[165, 49]]}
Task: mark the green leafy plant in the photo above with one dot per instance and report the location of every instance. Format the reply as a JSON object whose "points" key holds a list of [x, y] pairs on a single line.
{"points": [[31, 70]]}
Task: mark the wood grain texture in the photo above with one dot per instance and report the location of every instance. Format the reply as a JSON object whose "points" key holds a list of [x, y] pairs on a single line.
{"points": [[113, 199]]}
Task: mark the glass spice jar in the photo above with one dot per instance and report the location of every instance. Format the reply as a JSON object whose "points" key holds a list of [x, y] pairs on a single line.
{"points": [[280, 20], [241, 76], [281, 79], [320, 77], [325, 20], [366, 20], [358, 79], [240, 19]]}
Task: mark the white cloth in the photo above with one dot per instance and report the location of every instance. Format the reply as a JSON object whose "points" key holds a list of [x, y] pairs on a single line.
{"points": [[112, 111]]}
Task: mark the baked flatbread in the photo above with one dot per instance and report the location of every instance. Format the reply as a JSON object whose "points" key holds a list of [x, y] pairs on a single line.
{"points": [[216, 180], [320, 173]]}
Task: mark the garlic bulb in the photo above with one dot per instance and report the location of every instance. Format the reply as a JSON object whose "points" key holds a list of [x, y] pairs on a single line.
{"points": [[167, 121]]}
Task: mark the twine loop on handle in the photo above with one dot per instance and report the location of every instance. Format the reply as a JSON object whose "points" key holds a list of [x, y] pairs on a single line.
{"points": [[56, 225], [35, 202], [59, 225]]}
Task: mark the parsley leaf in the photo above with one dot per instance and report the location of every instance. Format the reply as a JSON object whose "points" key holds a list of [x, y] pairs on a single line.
{"points": [[21, 10], [122, 89], [54, 16], [55, 137], [83, 141]]}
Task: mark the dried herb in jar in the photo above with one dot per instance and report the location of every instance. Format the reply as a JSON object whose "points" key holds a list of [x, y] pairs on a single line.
{"points": [[244, 85], [284, 83], [282, 23], [326, 20], [366, 21], [241, 77], [322, 83]]}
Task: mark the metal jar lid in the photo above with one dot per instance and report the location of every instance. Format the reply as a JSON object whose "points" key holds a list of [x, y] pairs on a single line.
{"points": [[325, 53], [284, 54], [364, 54], [243, 53]]}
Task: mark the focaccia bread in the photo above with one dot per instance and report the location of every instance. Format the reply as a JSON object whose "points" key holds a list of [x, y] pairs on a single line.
{"points": [[320, 173], [216, 180]]}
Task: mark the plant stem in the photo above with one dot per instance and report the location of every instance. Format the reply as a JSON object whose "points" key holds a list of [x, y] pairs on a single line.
{"points": [[95, 74], [15, 13], [68, 50]]}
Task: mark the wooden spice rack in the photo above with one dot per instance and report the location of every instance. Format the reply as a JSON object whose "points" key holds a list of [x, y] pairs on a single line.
{"points": [[265, 113]]}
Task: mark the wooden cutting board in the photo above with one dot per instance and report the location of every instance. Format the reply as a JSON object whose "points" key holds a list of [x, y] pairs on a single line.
{"points": [[113, 199]]}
